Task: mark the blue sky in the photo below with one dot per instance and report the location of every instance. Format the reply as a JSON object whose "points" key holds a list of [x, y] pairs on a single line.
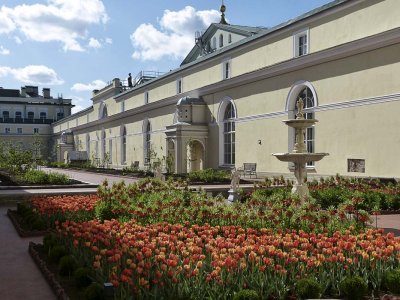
{"points": [[75, 46]]}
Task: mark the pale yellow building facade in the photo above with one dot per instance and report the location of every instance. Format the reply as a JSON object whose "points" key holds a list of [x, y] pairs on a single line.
{"points": [[225, 104]]}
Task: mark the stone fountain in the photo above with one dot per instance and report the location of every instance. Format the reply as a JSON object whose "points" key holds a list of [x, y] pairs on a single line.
{"points": [[299, 156]]}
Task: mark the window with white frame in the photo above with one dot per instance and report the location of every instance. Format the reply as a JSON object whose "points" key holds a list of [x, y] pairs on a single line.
{"points": [[19, 130], [7, 130], [309, 136], [31, 115], [35, 130], [123, 145], [43, 115], [301, 43], [88, 145], [146, 96], [179, 85], [103, 146], [110, 150], [226, 69], [147, 143], [221, 40], [214, 43], [229, 134], [18, 115], [6, 114]]}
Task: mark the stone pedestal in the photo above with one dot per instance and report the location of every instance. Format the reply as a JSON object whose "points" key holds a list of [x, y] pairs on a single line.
{"points": [[233, 196]]}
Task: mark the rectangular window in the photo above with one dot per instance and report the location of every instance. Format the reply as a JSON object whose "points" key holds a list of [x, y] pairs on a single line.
{"points": [[226, 69], [19, 130], [7, 130], [146, 95], [31, 115], [35, 130], [301, 43], [179, 86], [123, 106], [110, 150], [18, 115], [43, 115], [6, 114]]}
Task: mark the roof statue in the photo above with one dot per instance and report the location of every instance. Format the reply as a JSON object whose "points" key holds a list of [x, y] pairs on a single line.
{"points": [[222, 10]]}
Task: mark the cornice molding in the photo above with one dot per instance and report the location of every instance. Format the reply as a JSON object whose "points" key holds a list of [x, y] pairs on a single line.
{"points": [[326, 107], [338, 52]]}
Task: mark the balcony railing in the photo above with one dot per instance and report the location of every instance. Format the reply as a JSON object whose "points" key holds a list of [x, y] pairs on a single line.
{"points": [[26, 121]]}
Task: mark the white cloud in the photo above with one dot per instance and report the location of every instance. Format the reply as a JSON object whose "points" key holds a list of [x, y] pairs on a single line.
{"points": [[17, 40], [77, 108], [6, 23], [108, 41], [175, 38], [93, 43], [94, 85], [65, 21], [4, 51], [32, 74]]}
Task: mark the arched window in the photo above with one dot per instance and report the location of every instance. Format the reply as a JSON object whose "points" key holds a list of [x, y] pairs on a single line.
{"points": [[123, 145], [31, 114], [229, 134], [308, 99], [103, 145], [6, 114], [230, 38], [214, 43], [88, 146], [147, 142], [221, 40]]}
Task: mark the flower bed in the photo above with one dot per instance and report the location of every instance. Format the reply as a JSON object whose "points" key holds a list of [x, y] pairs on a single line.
{"points": [[159, 240], [164, 260]]}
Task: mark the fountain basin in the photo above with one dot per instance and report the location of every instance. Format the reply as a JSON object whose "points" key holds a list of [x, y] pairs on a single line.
{"points": [[300, 123], [299, 157]]}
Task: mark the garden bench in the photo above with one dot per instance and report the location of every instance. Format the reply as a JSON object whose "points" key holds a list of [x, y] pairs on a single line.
{"points": [[249, 169]]}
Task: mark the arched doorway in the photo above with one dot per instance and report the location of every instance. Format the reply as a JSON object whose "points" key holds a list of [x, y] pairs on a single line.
{"points": [[195, 156]]}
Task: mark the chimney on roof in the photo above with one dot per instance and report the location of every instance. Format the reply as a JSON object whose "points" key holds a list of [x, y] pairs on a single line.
{"points": [[46, 93], [32, 91], [23, 91]]}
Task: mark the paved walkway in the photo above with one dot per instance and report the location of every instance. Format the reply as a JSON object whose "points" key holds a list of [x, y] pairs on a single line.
{"points": [[91, 177], [19, 276]]}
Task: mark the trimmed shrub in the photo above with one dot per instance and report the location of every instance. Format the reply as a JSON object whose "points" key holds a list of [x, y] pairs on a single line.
{"points": [[67, 265], [56, 253], [41, 177], [94, 292], [246, 295], [392, 281], [208, 175], [81, 277], [308, 288], [35, 177], [354, 288], [57, 178]]}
